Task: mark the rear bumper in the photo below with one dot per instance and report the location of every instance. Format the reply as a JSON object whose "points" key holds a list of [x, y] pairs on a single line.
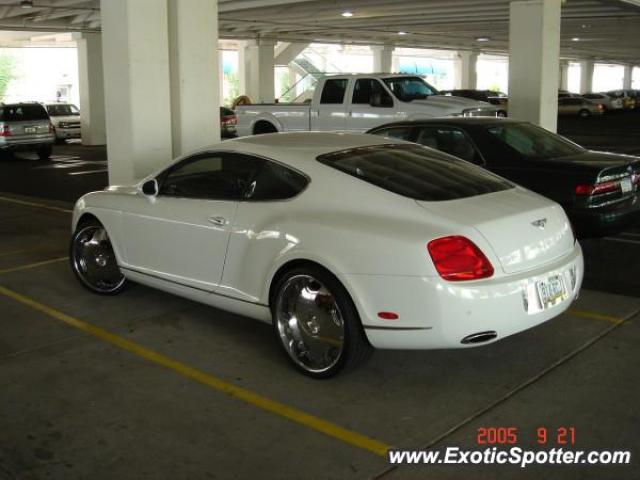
{"points": [[606, 220], [437, 314], [33, 143], [63, 133]]}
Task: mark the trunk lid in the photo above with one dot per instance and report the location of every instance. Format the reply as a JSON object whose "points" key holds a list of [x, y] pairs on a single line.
{"points": [[524, 229]]}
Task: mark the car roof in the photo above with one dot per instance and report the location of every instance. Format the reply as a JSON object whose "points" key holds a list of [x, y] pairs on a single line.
{"points": [[372, 75], [298, 148], [460, 121]]}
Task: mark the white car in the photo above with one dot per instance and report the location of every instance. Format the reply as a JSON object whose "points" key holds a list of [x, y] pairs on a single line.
{"points": [[65, 118], [343, 241]]}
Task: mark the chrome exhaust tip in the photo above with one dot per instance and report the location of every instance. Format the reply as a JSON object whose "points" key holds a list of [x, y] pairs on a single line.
{"points": [[479, 337]]}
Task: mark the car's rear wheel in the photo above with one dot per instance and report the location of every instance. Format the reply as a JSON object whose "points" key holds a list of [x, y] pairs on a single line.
{"points": [[317, 324], [44, 152], [93, 260]]}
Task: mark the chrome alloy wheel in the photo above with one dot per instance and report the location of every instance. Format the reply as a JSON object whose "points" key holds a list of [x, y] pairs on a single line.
{"points": [[93, 260], [310, 323]]}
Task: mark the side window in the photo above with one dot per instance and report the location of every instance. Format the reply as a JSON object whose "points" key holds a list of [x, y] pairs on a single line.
{"points": [[402, 133], [367, 89], [450, 140], [212, 176], [333, 91], [275, 182]]}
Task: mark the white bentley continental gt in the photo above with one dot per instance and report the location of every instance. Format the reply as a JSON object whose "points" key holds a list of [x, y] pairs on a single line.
{"points": [[343, 242]]}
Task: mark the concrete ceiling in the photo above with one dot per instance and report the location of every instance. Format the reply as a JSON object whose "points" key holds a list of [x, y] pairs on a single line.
{"points": [[606, 30]]}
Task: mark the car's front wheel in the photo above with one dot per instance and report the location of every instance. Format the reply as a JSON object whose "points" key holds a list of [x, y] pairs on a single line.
{"points": [[93, 260], [317, 324]]}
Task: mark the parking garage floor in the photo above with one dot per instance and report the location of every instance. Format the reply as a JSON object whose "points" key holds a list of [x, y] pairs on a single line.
{"points": [[146, 385]]}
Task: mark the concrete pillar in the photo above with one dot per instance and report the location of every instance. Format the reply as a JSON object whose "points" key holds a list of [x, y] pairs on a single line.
{"points": [[260, 85], [466, 70], [586, 76], [135, 48], [242, 68], [91, 83], [627, 79], [382, 58], [564, 75], [534, 55], [195, 79], [287, 52]]}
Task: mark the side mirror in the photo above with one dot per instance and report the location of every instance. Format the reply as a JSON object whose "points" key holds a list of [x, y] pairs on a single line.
{"points": [[150, 188]]}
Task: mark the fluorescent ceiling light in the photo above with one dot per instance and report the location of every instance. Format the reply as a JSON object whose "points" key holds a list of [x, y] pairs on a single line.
{"points": [[402, 33], [483, 39], [575, 39], [347, 13]]}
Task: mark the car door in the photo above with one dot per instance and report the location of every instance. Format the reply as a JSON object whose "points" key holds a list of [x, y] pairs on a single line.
{"points": [[331, 110], [181, 234], [371, 105]]}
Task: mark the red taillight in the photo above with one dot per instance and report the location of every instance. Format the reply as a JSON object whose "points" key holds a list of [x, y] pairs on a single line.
{"points": [[598, 188], [5, 131], [51, 128], [388, 315], [458, 258], [229, 120]]}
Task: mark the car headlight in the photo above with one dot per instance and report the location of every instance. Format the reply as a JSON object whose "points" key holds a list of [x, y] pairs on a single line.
{"points": [[63, 125]]}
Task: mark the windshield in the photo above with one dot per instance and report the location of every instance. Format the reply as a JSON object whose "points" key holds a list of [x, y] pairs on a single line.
{"points": [[61, 110], [406, 89], [533, 142], [416, 172]]}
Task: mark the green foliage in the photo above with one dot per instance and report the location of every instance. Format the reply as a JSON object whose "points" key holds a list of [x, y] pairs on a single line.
{"points": [[6, 72], [233, 91]]}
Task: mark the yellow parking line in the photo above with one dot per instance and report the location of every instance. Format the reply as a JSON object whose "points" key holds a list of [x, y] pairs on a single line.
{"points": [[32, 265], [594, 315], [15, 252], [35, 204], [347, 436]]}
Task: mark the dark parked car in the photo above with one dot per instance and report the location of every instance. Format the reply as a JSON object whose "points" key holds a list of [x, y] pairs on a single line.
{"points": [[228, 121], [499, 99], [599, 191]]}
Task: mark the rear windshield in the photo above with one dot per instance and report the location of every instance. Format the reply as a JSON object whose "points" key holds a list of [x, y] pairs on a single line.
{"points": [[416, 172], [22, 113], [63, 110], [533, 142]]}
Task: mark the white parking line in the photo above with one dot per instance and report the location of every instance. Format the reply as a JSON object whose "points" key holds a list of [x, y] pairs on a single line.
{"points": [[85, 172]]}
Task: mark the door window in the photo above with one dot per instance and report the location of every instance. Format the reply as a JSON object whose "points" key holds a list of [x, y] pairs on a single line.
{"points": [[333, 91], [401, 133], [366, 89], [213, 176], [450, 140], [275, 182]]}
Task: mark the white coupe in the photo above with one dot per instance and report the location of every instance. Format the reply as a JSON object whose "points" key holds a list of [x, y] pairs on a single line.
{"points": [[343, 242]]}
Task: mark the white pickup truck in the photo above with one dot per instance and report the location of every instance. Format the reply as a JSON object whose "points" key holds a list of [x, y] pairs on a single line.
{"points": [[358, 103]]}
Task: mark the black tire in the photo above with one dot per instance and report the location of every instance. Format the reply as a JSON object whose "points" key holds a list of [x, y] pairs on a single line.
{"points": [[502, 114], [114, 281], [584, 113], [44, 153], [264, 127], [355, 348]]}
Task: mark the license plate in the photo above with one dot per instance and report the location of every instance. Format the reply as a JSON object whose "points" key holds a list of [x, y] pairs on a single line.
{"points": [[626, 185], [551, 291], [30, 129]]}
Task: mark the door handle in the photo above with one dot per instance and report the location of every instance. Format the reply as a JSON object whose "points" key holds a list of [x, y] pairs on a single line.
{"points": [[217, 220]]}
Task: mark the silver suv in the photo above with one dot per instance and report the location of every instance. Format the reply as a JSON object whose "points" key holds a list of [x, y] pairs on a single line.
{"points": [[26, 126]]}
